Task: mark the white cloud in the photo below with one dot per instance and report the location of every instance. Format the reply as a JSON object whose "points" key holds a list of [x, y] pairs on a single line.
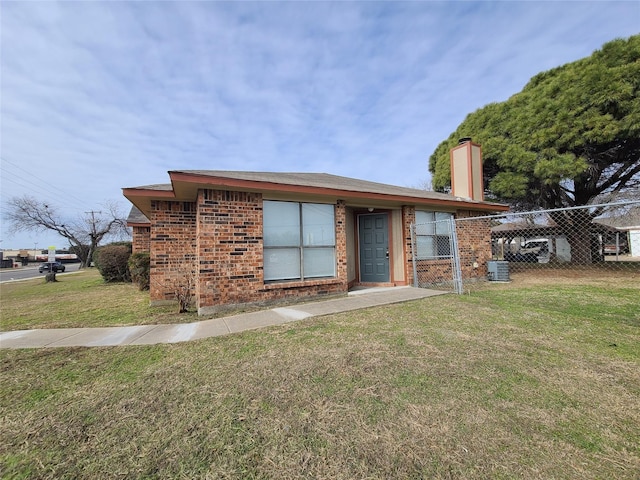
{"points": [[97, 96]]}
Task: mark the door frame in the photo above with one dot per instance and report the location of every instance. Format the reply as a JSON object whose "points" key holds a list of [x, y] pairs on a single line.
{"points": [[364, 213]]}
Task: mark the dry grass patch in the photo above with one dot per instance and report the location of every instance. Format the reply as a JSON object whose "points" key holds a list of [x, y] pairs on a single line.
{"points": [[505, 383]]}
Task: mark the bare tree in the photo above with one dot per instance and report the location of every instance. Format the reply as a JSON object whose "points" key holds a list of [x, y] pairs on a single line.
{"points": [[184, 290], [423, 184], [84, 233]]}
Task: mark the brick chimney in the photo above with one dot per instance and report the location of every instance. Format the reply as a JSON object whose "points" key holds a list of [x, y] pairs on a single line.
{"points": [[466, 170]]}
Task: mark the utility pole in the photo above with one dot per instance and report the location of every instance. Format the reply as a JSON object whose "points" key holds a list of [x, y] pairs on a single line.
{"points": [[93, 216], [93, 221]]}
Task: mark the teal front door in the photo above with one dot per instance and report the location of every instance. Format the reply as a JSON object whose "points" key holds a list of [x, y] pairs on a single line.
{"points": [[374, 248]]}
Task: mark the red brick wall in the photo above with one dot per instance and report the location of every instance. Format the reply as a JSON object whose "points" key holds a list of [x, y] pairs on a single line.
{"points": [[229, 243], [172, 247], [474, 243], [408, 217], [434, 272], [217, 243], [141, 239], [230, 254], [341, 243]]}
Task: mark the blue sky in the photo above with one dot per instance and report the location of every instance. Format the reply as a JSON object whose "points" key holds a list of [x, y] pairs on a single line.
{"points": [[96, 96]]}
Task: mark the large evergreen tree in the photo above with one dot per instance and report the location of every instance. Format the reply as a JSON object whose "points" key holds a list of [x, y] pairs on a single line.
{"points": [[570, 137]]}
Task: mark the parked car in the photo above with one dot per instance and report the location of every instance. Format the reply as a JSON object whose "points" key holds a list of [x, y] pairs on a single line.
{"points": [[542, 249], [531, 251], [51, 266], [535, 246]]}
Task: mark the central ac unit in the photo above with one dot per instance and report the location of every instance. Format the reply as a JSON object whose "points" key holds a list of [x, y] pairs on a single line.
{"points": [[498, 271]]}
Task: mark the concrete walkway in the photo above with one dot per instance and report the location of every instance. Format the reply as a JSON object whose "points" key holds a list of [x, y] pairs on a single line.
{"points": [[153, 334]]}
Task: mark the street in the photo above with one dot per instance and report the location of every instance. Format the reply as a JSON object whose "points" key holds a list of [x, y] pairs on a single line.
{"points": [[31, 271]]}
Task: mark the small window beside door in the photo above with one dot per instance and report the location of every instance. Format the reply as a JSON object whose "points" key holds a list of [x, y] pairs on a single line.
{"points": [[433, 234]]}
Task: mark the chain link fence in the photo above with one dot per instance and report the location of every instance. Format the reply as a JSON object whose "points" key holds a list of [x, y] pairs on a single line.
{"points": [[436, 263], [459, 254]]}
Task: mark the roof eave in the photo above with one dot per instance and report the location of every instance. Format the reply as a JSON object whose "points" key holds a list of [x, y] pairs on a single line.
{"points": [[184, 183], [142, 197]]}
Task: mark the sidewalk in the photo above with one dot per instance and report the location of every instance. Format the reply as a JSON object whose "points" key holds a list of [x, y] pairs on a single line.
{"points": [[154, 334]]}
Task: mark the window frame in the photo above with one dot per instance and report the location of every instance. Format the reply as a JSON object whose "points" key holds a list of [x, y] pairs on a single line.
{"points": [[439, 245], [301, 245]]}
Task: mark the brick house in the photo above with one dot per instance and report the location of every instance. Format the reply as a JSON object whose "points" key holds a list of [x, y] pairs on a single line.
{"points": [[260, 237]]}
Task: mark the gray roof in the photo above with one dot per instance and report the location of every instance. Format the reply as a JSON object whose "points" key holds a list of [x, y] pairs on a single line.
{"points": [[161, 187], [186, 183], [136, 216], [321, 180], [621, 216]]}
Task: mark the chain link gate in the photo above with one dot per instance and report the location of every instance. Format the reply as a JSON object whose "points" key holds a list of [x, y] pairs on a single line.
{"points": [[436, 259]]}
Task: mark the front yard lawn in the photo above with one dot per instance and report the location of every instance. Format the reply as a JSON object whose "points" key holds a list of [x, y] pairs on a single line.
{"points": [[527, 380], [79, 300]]}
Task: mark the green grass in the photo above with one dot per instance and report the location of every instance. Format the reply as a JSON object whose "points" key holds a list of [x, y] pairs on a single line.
{"points": [[527, 380], [79, 300]]}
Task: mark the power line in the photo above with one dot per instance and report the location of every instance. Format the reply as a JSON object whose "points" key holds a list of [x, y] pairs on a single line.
{"points": [[52, 199], [58, 195], [46, 193], [47, 184], [21, 179]]}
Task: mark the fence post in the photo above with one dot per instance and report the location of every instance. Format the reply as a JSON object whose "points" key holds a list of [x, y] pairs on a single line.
{"points": [[412, 227], [457, 271]]}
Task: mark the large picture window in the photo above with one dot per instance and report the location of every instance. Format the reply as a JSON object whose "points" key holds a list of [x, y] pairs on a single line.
{"points": [[433, 232], [299, 240]]}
